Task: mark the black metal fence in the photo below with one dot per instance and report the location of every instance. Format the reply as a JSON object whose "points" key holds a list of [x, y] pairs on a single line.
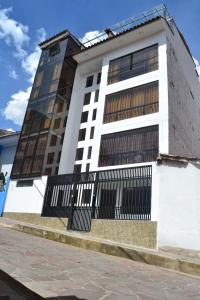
{"points": [[123, 194]]}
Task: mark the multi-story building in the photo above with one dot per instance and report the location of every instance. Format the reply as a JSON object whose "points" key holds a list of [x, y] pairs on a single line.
{"points": [[107, 109]]}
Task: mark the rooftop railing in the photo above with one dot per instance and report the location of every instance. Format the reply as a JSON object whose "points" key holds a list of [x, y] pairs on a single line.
{"points": [[96, 37]]}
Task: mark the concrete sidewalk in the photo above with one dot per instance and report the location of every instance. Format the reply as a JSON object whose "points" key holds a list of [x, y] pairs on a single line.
{"points": [[55, 270]]}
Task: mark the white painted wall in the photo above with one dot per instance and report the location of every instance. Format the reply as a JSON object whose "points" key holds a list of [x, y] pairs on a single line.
{"points": [[26, 199], [179, 205], [76, 107]]}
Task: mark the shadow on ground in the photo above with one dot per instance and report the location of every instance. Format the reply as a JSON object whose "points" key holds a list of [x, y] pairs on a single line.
{"points": [[65, 298]]}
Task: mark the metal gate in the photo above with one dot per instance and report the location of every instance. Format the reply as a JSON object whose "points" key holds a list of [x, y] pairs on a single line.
{"points": [[113, 194]]}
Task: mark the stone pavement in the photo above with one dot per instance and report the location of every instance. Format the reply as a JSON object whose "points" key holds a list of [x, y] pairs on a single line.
{"points": [[58, 271]]}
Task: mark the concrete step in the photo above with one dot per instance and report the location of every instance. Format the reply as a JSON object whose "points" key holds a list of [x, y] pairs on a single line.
{"points": [[170, 260]]}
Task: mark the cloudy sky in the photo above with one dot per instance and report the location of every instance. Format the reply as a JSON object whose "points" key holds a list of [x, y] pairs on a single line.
{"points": [[25, 23]]}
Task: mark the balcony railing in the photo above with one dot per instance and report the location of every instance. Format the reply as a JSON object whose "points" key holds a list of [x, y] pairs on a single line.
{"points": [[131, 112], [136, 69]]}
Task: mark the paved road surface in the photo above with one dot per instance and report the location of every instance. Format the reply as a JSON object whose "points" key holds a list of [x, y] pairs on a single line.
{"points": [[57, 270]]}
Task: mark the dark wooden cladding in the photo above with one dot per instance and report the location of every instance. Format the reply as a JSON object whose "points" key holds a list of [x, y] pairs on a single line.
{"points": [[134, 102], [128, 147], [133, 64]]}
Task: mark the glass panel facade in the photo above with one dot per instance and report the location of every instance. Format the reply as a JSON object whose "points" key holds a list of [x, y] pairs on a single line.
{"points": [[134, 102], [133, 64], [46, 115], [128, 147]]}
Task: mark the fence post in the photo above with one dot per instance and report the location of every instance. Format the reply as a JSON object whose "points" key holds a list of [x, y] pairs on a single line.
{"points": [[72, 200], [94, 194]]}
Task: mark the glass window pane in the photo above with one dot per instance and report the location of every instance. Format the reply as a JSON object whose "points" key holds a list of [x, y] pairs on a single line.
{"points": [[84, 117], [89, 81], [87, 98], [128, 147], [133, 64], [82, 133], [131, 103], [79, 154]]}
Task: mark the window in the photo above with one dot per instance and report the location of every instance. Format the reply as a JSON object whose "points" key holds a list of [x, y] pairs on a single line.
{"points": [[86, 196], [53, 140], [26, 167], [48, 171], [87, 167], [84, 116], [98, 78], [53, 86], [87, 98], [56, 170], [37, 163], [82, 133], [30, 147], [77, 169], [41, 145], [59, 156], [60, 105], [54, 49], [57, 71], [57, 123], [50, 158], [134, 102], [136, 198], [89, 81], [94, 114], [96, 97], [128, 147], [65, 122], [92, 132], [38, 79], [79, 154], [89, 152], [133, 64], [22, 183], [62, 138], [46, 122]]}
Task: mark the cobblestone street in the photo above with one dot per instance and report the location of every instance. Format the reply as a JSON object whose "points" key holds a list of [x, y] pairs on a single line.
{"points": [[56, 270]]}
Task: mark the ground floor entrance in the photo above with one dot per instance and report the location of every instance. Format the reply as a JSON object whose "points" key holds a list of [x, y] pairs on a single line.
{"points": [[120, 194]]}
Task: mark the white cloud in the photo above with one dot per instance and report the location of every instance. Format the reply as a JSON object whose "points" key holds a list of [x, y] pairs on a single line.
{"points": [[13, 32], [92, 37], [12, 73], [197, 66], [10, 129], [30, 62], [16, 106]]}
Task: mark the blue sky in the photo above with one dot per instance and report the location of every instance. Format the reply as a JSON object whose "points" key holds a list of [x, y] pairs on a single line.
{"points": [[24, 23]]}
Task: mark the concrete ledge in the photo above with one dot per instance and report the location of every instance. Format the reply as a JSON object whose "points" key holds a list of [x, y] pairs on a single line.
{"points": [[147, 256], [57, 223], [139, 233]]}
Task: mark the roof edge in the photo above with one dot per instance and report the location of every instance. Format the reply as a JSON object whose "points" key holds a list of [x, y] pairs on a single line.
{"points": [[176, 158]]}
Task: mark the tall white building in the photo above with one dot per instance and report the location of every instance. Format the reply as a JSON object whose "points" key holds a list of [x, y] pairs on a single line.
{"points": [[135, 94]]}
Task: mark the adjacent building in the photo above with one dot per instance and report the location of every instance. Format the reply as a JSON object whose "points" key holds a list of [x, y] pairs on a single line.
{"points": [[99, 116], [8, 145]]}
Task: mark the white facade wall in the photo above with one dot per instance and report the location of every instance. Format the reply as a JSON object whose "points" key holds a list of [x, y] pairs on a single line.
{"points": [[76, 107], [26, 199], [179, 205]]}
